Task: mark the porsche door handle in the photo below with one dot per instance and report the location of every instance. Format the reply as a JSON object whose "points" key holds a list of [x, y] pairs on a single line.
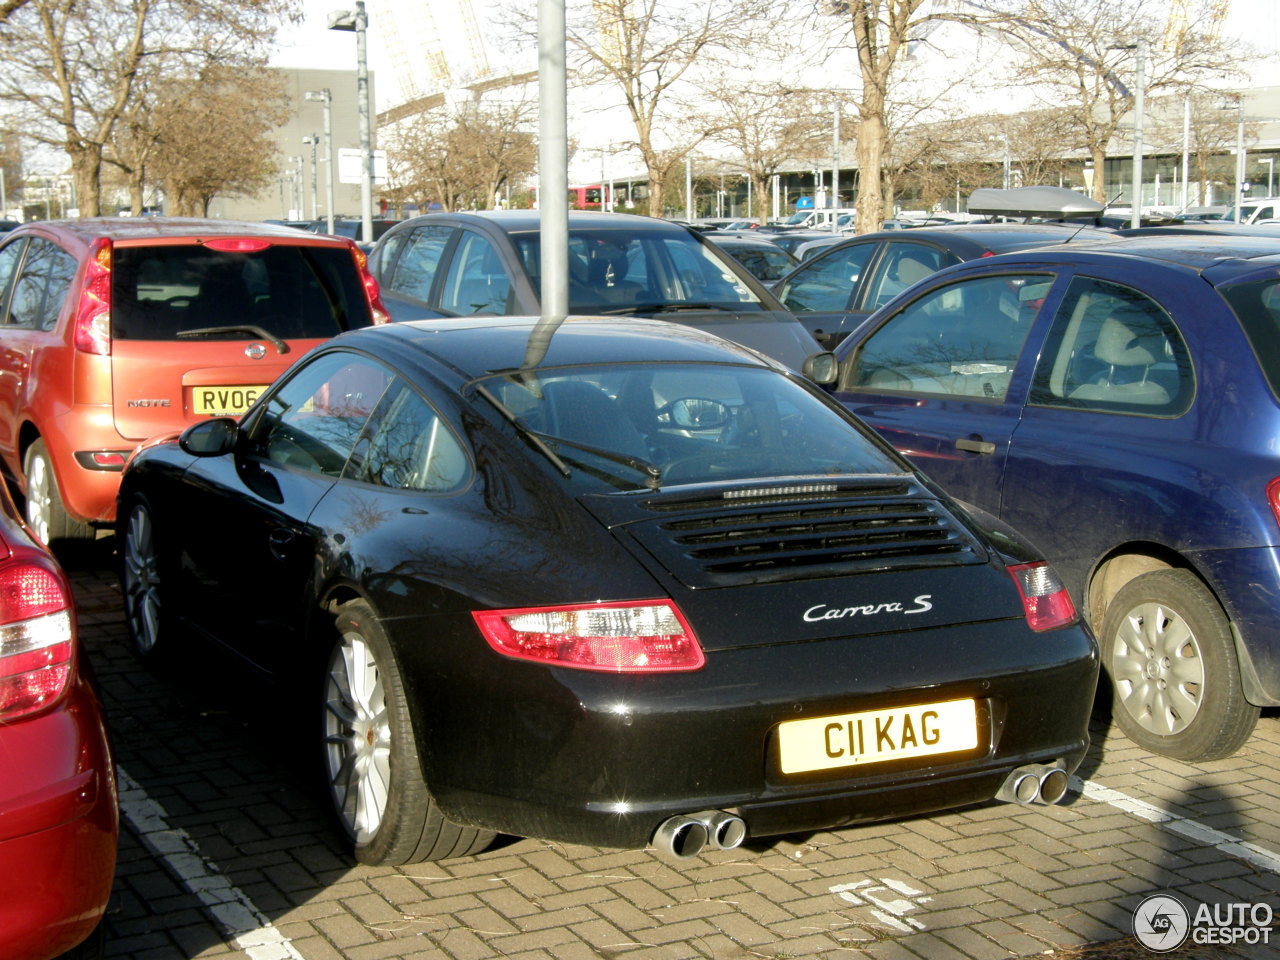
{"points": [[282, 543], [976, 446]]}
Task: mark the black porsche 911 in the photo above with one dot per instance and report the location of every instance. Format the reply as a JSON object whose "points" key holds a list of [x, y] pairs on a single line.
{"points": [[635, 585]]}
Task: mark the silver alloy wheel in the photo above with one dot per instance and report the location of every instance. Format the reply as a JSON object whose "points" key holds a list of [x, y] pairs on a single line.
{"points": [[39, 496], [1157, 669], [141, 580], [357, 737]]}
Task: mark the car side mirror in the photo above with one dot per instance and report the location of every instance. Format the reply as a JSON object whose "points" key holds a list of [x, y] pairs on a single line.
{"points": [[821, 368], [210, 438]]}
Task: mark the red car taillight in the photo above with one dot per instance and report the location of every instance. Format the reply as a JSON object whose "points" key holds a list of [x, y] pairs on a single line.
{"points": [[35, 639], [93, 312], [1273, 498], [645, 636], [371, 292], [1044, 598]]}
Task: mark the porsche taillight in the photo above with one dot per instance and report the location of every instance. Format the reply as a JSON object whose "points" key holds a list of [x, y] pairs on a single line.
{"points": [[646, 636], [36, 646], [93, 311], [1044, 599], [1273, 498], [372, 293]]}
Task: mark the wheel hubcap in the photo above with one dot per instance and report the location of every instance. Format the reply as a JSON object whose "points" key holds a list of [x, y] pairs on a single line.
{"points": [[141, 580], [38, 498], [1158, 669], [357, 738]]}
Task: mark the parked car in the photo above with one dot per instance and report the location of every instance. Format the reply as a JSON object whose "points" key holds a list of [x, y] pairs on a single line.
{"points": [[513, 574], [792, 240], [489, 263], [836, 290], [766, 261], [1116, 404], [112, 330], [58, 815], [1254, 210], [352, 228]]}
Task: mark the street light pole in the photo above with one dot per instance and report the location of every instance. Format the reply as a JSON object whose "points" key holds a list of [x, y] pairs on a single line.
{"points": [[1140, 56], [313, 140], [1269, 161], [358, 21], [326, 98]]}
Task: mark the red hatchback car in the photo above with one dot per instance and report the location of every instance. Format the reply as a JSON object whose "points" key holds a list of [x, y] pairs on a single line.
{"points": [[114, 330], [58, 811]]}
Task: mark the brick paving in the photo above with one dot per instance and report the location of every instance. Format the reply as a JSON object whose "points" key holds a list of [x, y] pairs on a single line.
{"points": [[218, 758]]}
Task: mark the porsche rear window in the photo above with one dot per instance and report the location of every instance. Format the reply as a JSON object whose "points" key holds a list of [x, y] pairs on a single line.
{"points": [[288, 291]]}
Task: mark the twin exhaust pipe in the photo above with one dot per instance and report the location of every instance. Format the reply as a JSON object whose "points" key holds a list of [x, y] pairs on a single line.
{"points": [[1034, 783], [688, 834]]}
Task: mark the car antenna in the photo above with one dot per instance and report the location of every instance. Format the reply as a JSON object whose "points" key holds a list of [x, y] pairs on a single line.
{"points": [[1080, 228]]}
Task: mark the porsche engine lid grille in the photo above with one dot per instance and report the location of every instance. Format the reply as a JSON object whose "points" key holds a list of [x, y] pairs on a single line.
{"points": [[800, 533]]}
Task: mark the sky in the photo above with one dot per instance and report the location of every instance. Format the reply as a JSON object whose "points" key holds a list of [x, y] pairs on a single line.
{"points": [[312, 44]]}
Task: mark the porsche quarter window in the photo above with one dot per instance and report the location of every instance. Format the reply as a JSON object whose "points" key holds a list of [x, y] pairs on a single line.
{"points": [[1113, 349], [412, 448], [961, 340], [313, 421]]}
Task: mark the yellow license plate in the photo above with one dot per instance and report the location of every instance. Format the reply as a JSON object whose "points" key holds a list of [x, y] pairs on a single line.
{"points": [[224, 401], [876, 736]]}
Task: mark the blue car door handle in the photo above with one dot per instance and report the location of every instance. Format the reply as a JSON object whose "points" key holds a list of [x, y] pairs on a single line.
{"points": [[976, 446]]}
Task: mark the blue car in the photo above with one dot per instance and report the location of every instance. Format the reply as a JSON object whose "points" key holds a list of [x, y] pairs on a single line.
{"points": [[1119, 405]]}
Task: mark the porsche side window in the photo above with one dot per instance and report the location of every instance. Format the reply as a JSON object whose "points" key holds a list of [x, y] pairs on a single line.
{"points": [[1113, 348], [959, 340], [313, 421], [828, 283], [413, 449]]}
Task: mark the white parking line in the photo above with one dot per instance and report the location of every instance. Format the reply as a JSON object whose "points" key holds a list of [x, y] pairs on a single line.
{"points": [[1193, 830], [248, 928]]}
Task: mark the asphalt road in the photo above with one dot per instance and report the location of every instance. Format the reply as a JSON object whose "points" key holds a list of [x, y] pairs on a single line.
{"points": [[228, 851]]}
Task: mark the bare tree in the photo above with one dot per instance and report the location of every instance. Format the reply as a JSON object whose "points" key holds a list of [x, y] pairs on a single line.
{"points": [[881, 31], [1081, 56], [72, 69], [765, 127], [244, 107], [462, 158], [648, 51]]}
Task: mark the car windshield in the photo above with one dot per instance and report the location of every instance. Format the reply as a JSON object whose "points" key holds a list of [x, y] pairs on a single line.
{"points": [[643, 273], [628, 426], [284, 290]]}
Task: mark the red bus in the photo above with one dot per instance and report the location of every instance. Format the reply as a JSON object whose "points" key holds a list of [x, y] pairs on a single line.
{"points": [[588, 198]]}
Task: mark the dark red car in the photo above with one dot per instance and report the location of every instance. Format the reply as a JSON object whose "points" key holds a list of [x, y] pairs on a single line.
{"points": [[58, 811]]}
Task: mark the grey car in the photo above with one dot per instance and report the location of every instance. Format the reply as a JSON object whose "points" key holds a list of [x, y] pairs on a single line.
{"points": [[489, 263]]}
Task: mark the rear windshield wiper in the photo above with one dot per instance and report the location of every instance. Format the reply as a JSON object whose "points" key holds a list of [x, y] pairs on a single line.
{"points": [[540, 440], [653, 474], [665, 307], [280, 345]]}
